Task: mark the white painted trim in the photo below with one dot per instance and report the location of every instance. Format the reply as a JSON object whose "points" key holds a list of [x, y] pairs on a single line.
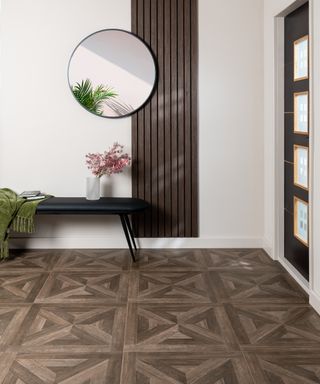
{"points": [[290, 269], [311, 142], [268, 248], [118, 242], [279, 145], [296, 275], [315, 59], [314, 300], [279, 138]]}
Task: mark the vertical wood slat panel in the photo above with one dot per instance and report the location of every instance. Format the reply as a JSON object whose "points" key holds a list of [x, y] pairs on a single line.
{"points": [[165, 131], [134, 138], [187, 117], [161, 160], [194, 116], [174, 119], [154, 129], [141, 129], [181, 120], [167, 117], [147, 122]]}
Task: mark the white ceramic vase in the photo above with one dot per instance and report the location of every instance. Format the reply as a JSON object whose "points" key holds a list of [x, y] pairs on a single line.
{"points": [[93, 188]]}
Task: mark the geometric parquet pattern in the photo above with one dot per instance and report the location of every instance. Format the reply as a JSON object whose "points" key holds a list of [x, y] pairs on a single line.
{"points": [[227, 316]]}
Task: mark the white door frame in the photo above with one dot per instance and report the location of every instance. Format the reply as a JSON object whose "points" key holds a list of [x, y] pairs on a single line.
{"points": [[279, 144]]}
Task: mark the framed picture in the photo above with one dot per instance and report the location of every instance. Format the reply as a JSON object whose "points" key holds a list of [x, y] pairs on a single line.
{"points": [[301, 113], [301, 220], [301, 58], [301, 166]]}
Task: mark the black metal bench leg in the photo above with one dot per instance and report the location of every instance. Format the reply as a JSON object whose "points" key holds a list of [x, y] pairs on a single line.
{"points": [[130, 230], [125, 230]]}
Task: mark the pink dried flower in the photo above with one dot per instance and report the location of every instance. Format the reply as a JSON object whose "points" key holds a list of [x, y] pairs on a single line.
{"points": [[109, 162]]}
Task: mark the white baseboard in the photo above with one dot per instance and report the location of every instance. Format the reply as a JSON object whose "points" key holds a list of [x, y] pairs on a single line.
{"points": [[314, 300], [119, 242], [287, 266], [268, 248], [304, 284]]}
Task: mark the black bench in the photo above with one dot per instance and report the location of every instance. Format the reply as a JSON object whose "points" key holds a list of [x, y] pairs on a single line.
{"points": [[122, 206]]}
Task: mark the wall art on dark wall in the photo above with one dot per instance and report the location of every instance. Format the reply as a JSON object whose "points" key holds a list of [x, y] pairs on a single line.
{"points": [[165, 131]]}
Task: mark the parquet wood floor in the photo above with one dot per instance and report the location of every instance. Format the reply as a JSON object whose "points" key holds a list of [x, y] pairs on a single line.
{"points": [[230, 316]]}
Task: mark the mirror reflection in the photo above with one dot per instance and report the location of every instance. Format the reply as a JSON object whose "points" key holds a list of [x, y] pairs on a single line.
{"points": [[112, 73]]}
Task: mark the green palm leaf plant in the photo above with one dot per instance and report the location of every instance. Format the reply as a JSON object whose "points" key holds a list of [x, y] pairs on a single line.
{"points": [[92, 98]]}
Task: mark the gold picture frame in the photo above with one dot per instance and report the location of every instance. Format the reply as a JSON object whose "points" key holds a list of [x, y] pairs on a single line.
{"points": [[301, 166], [301, 58], [301, 113], [301, 220]]}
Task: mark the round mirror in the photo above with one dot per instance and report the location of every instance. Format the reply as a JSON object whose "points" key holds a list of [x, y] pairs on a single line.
{"points": [[112, 73]]}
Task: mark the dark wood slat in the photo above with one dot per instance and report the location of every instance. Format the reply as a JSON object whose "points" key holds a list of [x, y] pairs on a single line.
{"points": [[187, 124], [134, 139], [161, 158], [164, 133], [194, 118], [181, 120], [147, 122], [174, 119], [141, 130], [154, 128], [167, 117]]}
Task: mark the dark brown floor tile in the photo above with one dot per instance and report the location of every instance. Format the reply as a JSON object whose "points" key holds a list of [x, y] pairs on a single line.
{"points": [[6, 361], [275, 325], [64, 368], [256, 287], [93, 260], [285, 367], [84, 288], [170, 287], [37, 259], [170, 260], [12, 318], [72, 328], [178, 328], [20, 286], [192, 316], [181, 368], [245, 259]]}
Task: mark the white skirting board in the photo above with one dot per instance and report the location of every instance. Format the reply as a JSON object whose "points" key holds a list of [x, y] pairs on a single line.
{"points": [[120, 242], [288, 267], [304, 284], [314, 298], [315, 301]]}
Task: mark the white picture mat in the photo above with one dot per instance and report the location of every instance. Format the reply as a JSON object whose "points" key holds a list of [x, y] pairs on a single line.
{"points": [[301, 112], [301, 167], [301, 61], [301, 220]]}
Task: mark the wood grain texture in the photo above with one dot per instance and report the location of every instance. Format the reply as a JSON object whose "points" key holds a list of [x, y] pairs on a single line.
{"points": [[187, 368], [185, 316], [165, 131]]}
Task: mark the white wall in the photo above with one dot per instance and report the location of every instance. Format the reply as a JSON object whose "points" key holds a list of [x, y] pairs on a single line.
{"points": [[45, 133], [231, 108]]}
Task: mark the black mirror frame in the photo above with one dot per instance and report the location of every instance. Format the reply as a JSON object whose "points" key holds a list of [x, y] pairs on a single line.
{"points": [[156, 68]]}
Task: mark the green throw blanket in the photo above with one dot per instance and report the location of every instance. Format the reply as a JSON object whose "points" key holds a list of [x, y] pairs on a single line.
{"points": [[17, 214]]}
